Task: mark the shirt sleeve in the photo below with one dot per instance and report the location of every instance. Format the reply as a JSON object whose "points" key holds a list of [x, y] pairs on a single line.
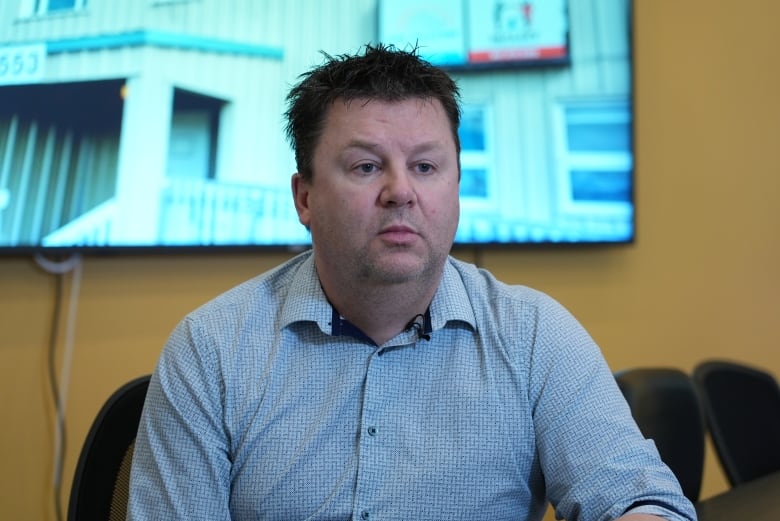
{"points": [[596, 463], [181, 467]]}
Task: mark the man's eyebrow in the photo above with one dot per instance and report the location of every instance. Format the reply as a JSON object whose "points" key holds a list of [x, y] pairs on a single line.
{"points": [[427, 146], [419, 147], [367, 145]]}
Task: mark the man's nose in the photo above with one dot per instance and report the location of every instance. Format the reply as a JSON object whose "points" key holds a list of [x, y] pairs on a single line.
{"points": [[398, 188]]}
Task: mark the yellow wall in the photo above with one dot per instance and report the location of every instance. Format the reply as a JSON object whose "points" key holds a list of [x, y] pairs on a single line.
{"points": [[701, 281]]}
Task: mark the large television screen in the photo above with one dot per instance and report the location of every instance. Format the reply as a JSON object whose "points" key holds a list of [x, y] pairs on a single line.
{"points": [[157, 125]]}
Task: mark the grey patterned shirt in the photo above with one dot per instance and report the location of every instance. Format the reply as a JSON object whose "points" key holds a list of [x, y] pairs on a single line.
{"points": [[258, 411]]}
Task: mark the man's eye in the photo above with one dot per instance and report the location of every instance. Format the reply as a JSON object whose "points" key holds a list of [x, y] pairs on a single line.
{"points": [[425, 168], [366, 168]]}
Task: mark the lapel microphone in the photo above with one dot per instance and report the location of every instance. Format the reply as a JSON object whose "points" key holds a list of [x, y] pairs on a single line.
{"points": [[418, 324]]}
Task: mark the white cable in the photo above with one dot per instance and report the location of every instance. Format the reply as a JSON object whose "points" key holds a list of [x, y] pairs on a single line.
{"points": [[57, 267], [72, 264], [70, 332]]}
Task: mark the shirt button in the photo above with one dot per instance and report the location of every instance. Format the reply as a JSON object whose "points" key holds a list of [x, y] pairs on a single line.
{"points": [[364, 514], [371, 432]]}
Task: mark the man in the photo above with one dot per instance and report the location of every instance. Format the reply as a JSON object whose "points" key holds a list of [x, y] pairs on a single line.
{"points": [[376, 377]]}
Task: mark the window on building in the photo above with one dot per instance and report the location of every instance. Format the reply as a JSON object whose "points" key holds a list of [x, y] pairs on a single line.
{"points": [[476, 160], [42, 7], [597, 152]]}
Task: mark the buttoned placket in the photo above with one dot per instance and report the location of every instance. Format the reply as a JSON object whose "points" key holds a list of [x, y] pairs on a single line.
{"points": [[372, 446]]}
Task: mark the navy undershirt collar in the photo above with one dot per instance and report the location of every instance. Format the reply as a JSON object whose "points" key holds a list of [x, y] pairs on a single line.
{"points": [[342, 326]]}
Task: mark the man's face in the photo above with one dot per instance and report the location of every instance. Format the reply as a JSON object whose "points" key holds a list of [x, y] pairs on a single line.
{"points": [[383, 203]]}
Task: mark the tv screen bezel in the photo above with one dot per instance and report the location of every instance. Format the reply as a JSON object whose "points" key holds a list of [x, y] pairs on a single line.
{"points": [[109, 250]]}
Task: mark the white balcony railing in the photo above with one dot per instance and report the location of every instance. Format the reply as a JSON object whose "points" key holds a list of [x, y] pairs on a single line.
{"points": [[199, 213]]}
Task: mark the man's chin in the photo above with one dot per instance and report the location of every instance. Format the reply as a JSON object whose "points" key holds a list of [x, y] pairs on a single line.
{"points": [[398, 268]]}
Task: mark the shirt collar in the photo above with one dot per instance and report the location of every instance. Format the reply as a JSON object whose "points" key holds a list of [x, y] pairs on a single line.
{"points": [[451, 301], [306, 302]]}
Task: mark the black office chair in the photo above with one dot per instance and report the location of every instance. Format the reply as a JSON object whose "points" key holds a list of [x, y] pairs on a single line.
{"points": [[742, 407], [102, 478], [664, 405]]}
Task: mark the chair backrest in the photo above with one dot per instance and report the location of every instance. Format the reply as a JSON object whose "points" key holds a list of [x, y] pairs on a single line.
{"points": [[102, 478], [664, 405], [742, 407]]}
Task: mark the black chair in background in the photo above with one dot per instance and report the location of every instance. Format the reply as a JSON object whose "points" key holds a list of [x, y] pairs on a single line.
{"points": [[742, 408], [102, 478], [664, 405]]}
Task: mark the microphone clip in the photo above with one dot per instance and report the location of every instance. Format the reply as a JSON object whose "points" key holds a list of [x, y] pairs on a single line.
{"points": [[418, 324]]}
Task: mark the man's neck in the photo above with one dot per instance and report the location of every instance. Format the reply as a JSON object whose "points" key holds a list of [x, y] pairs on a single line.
{"points": [[382, 312]]}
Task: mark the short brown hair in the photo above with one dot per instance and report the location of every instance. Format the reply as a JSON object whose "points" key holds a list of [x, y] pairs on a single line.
{"points": [[380, 72]]}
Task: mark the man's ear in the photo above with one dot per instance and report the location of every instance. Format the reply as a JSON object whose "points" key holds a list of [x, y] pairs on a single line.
{"points": [[300, 190]]}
